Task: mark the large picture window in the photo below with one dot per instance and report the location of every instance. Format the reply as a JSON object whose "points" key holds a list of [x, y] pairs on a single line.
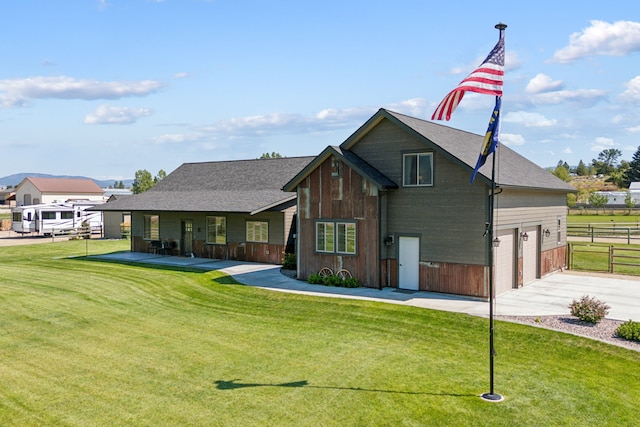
{"points": [[336, 237], [151, 227], [258, 231], [217, 230], [417, 170]]}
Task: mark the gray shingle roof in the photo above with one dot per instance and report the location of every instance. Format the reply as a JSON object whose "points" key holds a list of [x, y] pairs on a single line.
{"points": [[463, 148], [228, 186]]}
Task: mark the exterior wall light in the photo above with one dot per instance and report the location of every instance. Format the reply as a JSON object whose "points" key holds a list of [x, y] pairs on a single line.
{"points": [[524, 236], [547, 233], [496, 242]]}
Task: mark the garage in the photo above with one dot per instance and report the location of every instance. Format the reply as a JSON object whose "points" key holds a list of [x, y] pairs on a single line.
{"points": [[505, 261]]}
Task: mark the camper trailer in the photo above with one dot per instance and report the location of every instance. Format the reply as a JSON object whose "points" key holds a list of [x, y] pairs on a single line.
{"points": [[55, 218]]}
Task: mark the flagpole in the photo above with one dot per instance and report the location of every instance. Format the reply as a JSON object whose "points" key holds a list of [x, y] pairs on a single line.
{"points": [[492, 395]]}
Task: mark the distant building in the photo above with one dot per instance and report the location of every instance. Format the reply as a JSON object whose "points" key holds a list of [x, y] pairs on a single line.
{"points": [[33, 191], [617, 198]]}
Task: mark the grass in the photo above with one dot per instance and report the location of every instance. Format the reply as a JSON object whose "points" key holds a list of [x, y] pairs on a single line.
{"points": [[595, 257], [84, 342], [602, 219]]}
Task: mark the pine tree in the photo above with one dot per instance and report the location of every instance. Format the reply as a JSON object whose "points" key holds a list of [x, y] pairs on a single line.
{"points": [[582, 169], [632, 174]]}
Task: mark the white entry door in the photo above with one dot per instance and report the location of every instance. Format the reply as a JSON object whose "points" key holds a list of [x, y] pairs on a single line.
{"points": [[409, 263]]}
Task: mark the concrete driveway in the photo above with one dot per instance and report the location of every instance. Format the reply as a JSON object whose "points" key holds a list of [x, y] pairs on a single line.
{"points": [[550, 295]]}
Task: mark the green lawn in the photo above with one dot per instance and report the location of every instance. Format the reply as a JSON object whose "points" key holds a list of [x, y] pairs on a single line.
{"points": [[602, 219], [84, 342]]}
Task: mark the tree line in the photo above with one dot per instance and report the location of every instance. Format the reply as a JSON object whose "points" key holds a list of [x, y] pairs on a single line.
{"points": [[619, 172]]}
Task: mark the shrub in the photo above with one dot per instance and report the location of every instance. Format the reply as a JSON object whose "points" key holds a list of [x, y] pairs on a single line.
{"points": [[315, 279], [589, 309], [351, 282], [289, 262], [332, 281], [629, 330]]}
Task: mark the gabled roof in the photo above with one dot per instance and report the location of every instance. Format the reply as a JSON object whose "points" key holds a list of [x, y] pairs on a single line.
{"points": [[229, 186], [463, 148], [352, 160], [64, 185]]}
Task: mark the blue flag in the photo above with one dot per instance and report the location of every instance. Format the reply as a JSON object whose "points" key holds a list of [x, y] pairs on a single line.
{"points": [[490, 139]]}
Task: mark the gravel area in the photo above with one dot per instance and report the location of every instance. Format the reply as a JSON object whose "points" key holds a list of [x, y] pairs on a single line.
{"points": [[601, 331]]}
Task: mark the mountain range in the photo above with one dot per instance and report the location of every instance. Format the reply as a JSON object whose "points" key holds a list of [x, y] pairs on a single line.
{"points": [[17, 178]]}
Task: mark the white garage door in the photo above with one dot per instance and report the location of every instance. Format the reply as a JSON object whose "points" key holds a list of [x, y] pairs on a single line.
{"points": [[530, 256], [504, 262]]}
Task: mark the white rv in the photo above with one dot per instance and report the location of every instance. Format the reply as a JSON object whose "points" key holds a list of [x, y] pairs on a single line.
{"points": [[55, 218]]}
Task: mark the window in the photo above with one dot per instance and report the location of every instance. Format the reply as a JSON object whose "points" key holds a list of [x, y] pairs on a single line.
{"points": [[325, 237], [66, 215], [217, 230], [347, 238], [559, 230], [336, 237], [417, 170], [151, 227], [258, 231], [336, 167], [17, 216], [48, 215]]}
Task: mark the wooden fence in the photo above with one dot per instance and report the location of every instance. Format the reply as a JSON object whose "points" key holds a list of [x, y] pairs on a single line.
{"points": [[602, 258], [625, 232]]}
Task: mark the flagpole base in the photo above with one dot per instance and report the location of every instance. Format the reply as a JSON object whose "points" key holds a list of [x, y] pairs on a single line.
{"points": [[492, 397]]}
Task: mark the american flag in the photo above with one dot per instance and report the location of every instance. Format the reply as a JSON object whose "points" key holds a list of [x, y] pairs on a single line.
{"points": [[487, 79]]}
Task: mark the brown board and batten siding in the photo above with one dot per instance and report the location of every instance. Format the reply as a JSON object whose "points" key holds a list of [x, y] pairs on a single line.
{"points": [[349, 197]]}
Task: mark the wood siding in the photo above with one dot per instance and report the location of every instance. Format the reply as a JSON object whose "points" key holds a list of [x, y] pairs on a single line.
{"points": [[460, 279], [348, 197], [553, 260]]}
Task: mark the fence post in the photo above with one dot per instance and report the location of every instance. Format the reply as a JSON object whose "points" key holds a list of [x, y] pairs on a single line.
{"points": [[610, 258], [569, 255], [591, 234], [628, 235]]}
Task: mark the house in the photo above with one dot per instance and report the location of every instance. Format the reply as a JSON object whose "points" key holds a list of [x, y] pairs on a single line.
{"points": [[393, 206], [224, 210], [7, 198], [34, 190], [117, 224]]}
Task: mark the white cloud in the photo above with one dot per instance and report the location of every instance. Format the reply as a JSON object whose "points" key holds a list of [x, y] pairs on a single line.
{"points": [[582, 97], [326, 120], [601, 38], [528, 119], [511, 139], [107, 114], [632, 94], [567, 150], [634, 129], [543, 83], [181, 75], [17, 92], [602, 143]]}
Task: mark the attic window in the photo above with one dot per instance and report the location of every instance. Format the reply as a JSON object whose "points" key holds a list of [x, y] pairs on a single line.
{"points": [[417, 169], [336, 167]]}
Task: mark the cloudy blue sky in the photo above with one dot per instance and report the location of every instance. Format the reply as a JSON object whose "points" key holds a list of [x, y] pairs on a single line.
{"points": [[103, 88]]}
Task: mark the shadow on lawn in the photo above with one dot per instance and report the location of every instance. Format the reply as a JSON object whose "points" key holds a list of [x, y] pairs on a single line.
{"points": [[233, 385]]}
